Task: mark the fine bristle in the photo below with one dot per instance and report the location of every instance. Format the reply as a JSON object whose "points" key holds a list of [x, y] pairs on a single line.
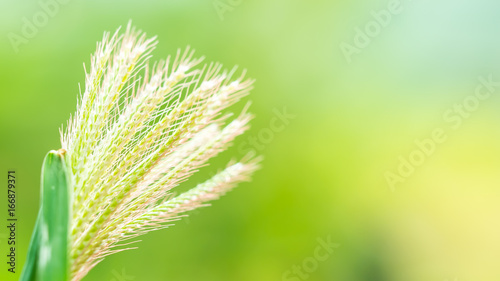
{"points": [[138, 132]]}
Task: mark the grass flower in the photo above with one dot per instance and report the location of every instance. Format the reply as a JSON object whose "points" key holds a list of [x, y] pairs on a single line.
{"points": [[138, 132]]}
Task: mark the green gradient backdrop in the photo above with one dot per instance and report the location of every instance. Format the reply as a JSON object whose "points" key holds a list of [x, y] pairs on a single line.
{"points": [[324, 173]]}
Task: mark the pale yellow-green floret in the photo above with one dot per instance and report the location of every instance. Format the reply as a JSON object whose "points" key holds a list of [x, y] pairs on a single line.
{"points": [[138, 132]]}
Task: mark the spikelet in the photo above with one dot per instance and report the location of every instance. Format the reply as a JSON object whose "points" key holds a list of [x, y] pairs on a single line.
{"points": [[140, 131]]}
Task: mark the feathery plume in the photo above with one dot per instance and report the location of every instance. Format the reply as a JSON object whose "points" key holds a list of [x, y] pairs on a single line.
{"points": [[138, 132]]}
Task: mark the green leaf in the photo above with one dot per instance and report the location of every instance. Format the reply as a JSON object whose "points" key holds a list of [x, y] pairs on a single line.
{"points": [[29, 269], [55, 219]]}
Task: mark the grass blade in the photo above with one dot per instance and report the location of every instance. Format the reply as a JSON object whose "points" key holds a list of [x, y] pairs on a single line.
{"points": [[29, 269], [55, 218]]}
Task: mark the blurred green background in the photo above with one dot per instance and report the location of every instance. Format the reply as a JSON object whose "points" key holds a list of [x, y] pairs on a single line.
{"points": [[324, 175]]}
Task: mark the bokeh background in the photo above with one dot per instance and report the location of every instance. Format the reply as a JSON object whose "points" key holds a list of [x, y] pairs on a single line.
{"points": [[324, 175]]}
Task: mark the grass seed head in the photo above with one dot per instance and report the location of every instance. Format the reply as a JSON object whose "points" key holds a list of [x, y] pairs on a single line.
{"points": [[140, 131]]}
